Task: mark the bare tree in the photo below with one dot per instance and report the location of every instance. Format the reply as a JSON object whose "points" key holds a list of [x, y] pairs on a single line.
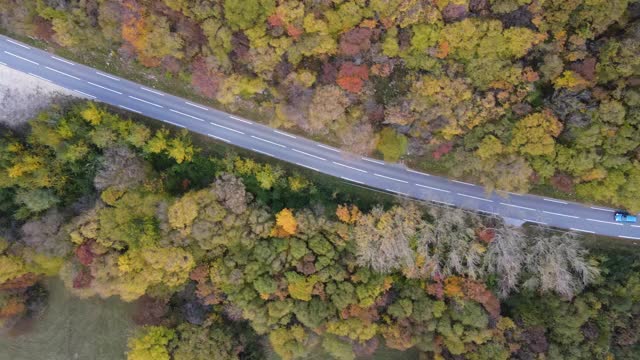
{"points": [[120, 167], [505, 257]]}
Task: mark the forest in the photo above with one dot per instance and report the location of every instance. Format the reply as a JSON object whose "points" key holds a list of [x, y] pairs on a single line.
{"points": [[518, 95], [228, 257]]}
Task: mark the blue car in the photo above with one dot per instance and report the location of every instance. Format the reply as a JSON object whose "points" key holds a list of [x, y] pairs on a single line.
{"points": [[625, 217]]}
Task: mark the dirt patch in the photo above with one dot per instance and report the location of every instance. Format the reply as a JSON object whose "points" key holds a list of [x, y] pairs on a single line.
{"points": [[23, 96]]}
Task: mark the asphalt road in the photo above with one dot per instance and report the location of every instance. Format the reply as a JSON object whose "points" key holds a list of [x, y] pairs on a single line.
{"points": [[393, 178]]}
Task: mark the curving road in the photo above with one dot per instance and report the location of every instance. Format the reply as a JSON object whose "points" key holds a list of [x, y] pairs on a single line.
{"points": [[394, 178]]}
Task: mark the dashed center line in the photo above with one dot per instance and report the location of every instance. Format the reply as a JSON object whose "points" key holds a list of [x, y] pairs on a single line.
{"points": [[601, 209], [181, 113], [462, 182], [582, 230], [349, 167], [85, 94], [107, 76], [518, 206], [1, 63], [219, 138], [605, 222], [226, 128], [433, 188], [20, 57], [373, 161], [267, 141], [151, 91], [328, 148], [104, 87], [284, 134], [62, 60], [17, 43], [417, 172], [555, 201], [558, 214], [39, 77], [240, 119], [196, 105], [63, 73], [391, 178], [313, 156], [635, 226], [475, 197], [397, 192], [130, 109], [308, 167], [348, 179], [145, 101]]}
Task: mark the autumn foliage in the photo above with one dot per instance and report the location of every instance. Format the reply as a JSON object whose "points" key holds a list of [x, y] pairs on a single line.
{"points": [[351, 77], [286, 224]]}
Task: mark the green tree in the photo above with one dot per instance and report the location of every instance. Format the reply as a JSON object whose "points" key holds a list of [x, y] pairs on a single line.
{"points": [[150, 344], [392, 145]]}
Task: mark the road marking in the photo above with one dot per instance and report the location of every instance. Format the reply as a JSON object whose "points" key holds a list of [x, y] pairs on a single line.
{"points": [[462, 182], [181, 113], [373, 161], [240, 119], [355, 181], [39, 77], [490, 212], [21, 58], [313, 156], [475, 197], [417, 172], [85, 94], [174, 124], [17, 43], [63, 60], [196, 105], [397, 192], [349, 167], [104, 87], [555, 201], [629, 237], [226, 128], [582, 230], [151, 91], [130, 109], [601, 209], [285, 134], [565, 215], [442, 202], [308, 167], [267, 141], [1, 63], [262, 152], [433, 188], [636, 226], [390, 178], [328, 148], [107, 76], [605, 222], [535, 222], [518, 206], [145, 101], [219, 138], [63, 73]]}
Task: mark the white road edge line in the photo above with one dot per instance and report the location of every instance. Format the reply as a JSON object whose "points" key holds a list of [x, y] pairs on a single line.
{"points": [[417, 172], [518, 206], [535, 222], [63, 60], [267, 141], [556, 201], [601, 209], [151, 91], [226, 128], [308, 167], [130, 109], [196, 105], [1, 63], [636, 226], [442, 202], [475, 197], [174, 124], [390, 178], [191, 116], [605, 222], [104, 87], [355, 181], [462, 182], [285, 134], [313, 156], [63, 73], [240, 119], [629, 237], [17, 43], [107, 76], [145, 101], [85, 94], [20, 57], [219, 138], [349, 167], [397, 192], [262, 152], [582, 230], [373, 161], [328, 148], [39, 77], [433, 188], [558, 214]]}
